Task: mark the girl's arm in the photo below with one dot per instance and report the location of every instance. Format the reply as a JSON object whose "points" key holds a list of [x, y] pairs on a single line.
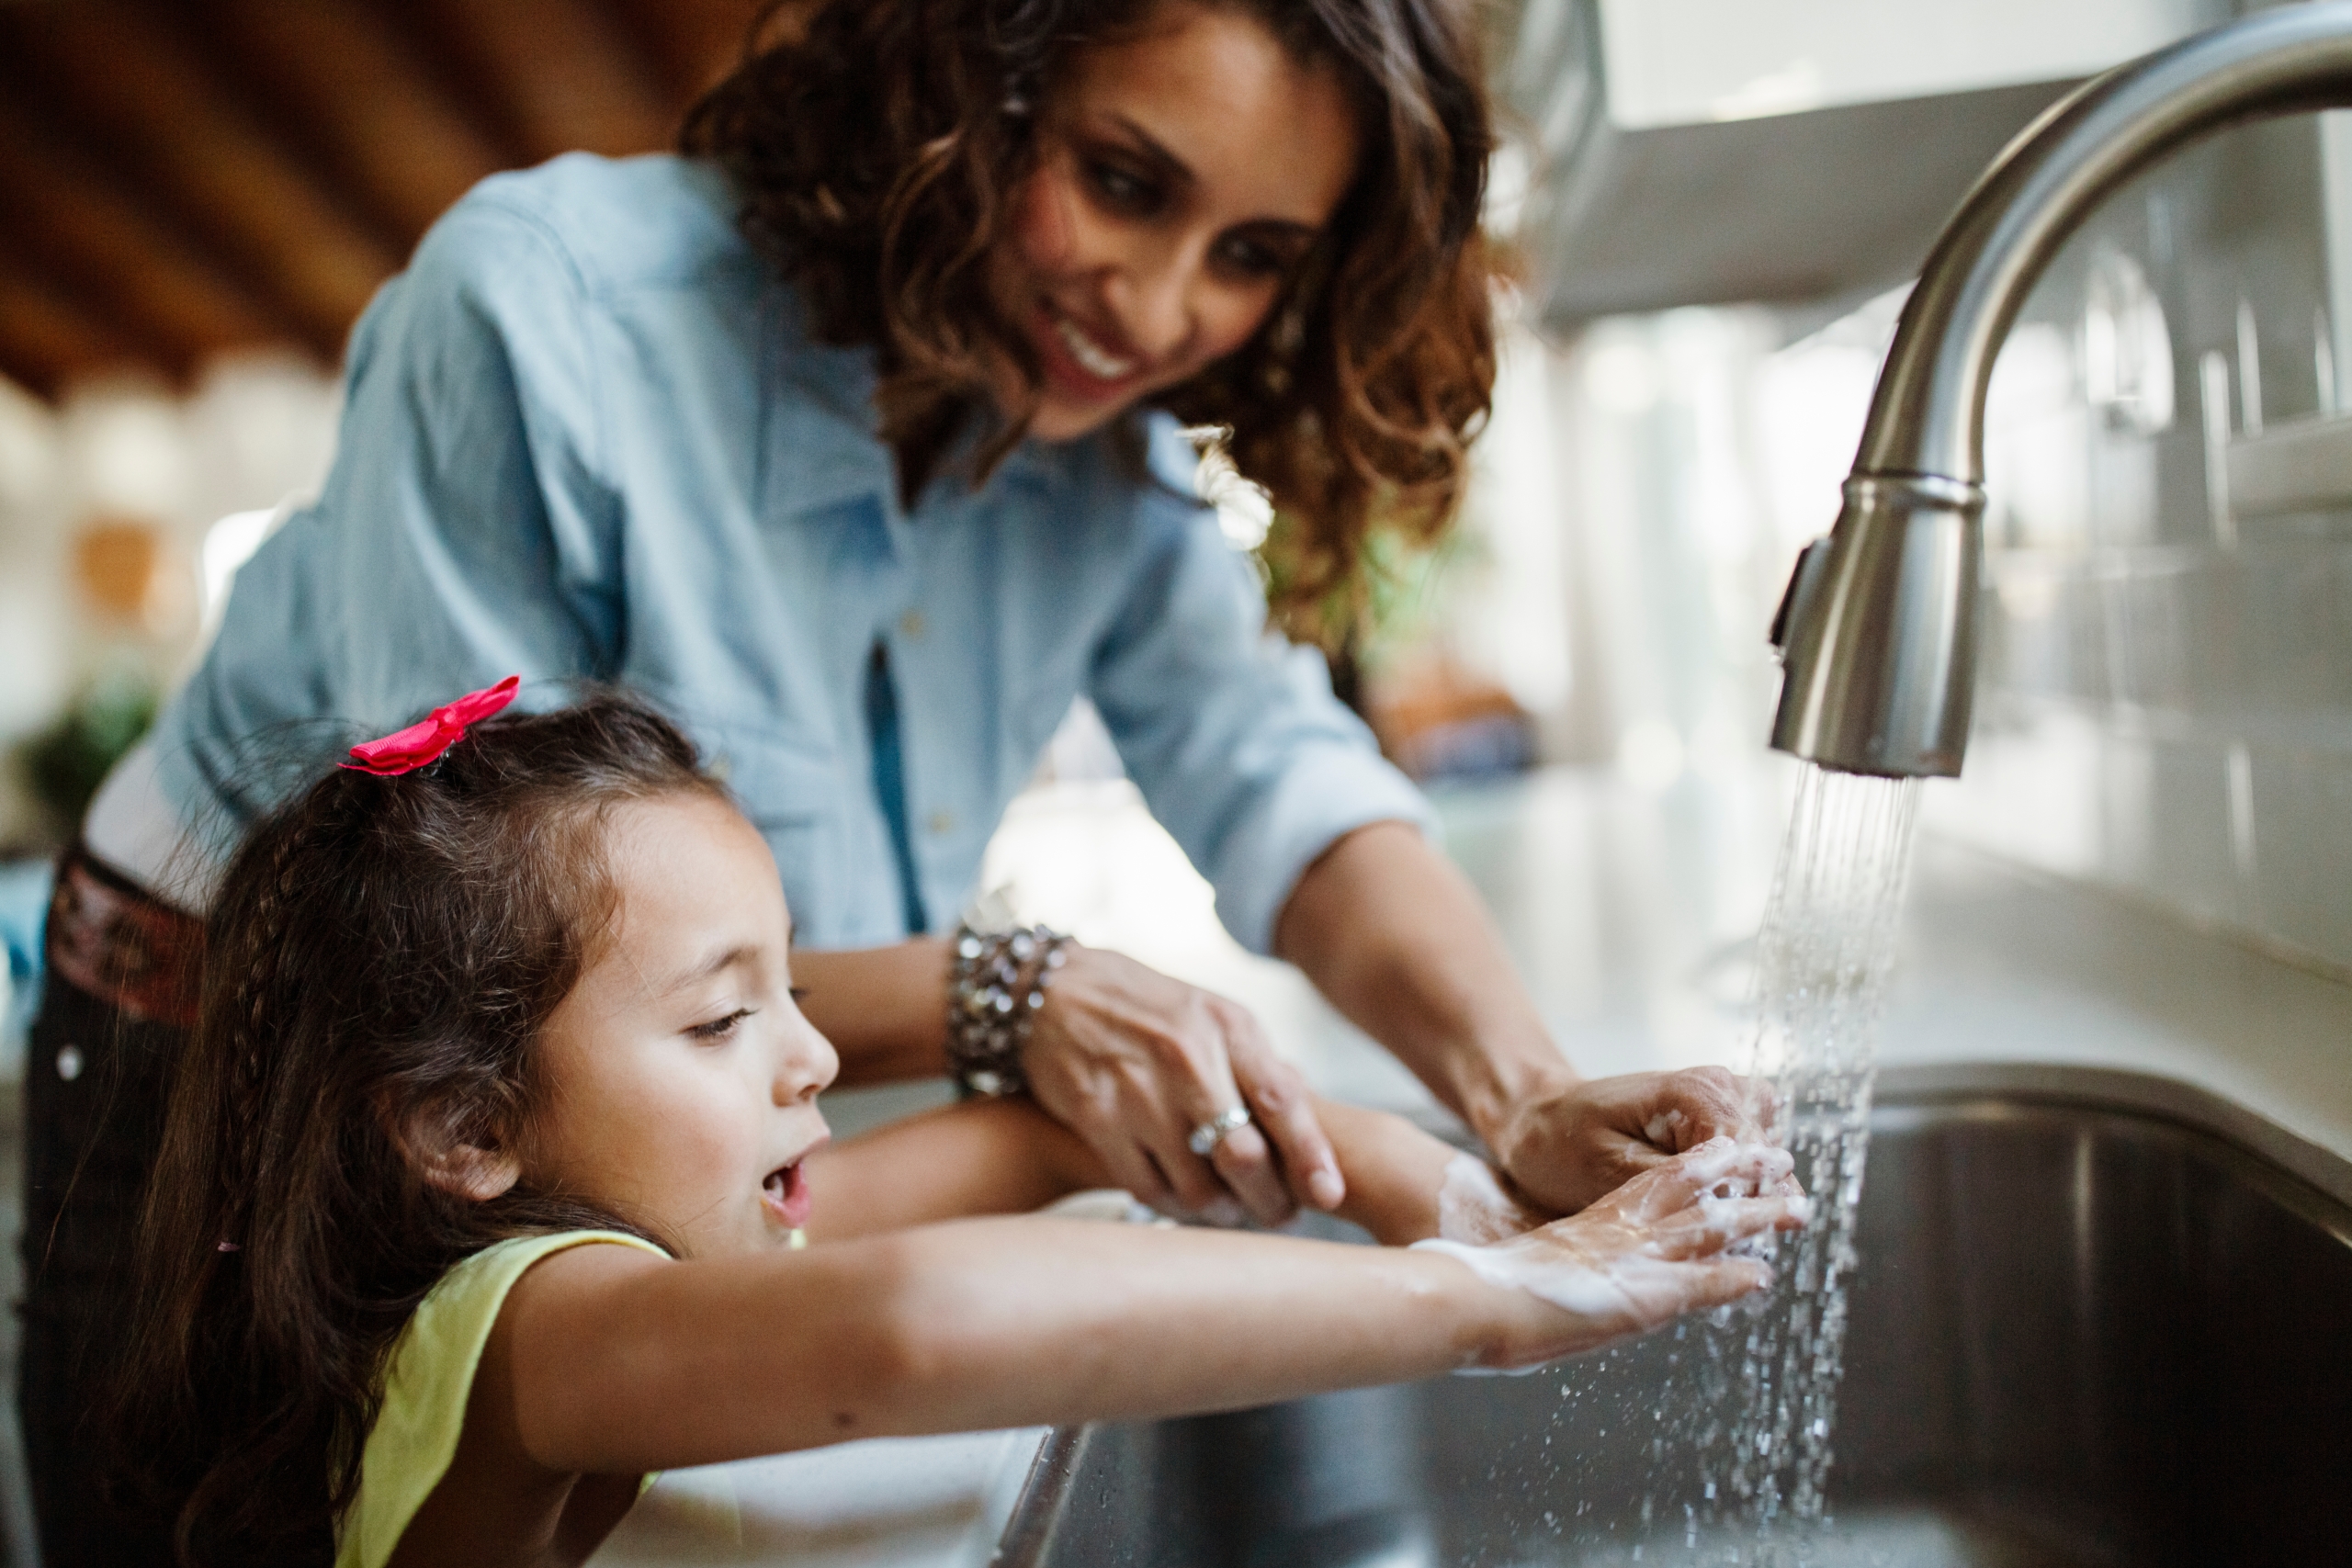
{"points": [[1005, 1156], [983, 1156], [607, 1360]]}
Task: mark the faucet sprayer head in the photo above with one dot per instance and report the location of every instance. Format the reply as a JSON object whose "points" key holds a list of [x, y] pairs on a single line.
{"points": [[1878, 631]]}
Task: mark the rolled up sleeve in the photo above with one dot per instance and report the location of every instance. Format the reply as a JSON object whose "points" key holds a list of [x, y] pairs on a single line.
{"points": [[1232, 733]]}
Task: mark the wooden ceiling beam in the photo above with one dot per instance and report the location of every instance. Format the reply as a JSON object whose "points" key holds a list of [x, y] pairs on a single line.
{"points": [[693, 43], [48, 340], [349, 89], [131, 88], [555, 74], [71, 220]]}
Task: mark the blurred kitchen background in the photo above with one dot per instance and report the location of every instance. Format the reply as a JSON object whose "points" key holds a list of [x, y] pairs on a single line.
{"points": [[1714, 207]]}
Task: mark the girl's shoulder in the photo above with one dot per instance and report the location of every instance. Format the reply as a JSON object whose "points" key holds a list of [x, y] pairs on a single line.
{"points": [[427, 1382], [484, 1277]]}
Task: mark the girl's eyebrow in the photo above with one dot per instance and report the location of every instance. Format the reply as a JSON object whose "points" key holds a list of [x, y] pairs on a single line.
{"points": [[717, 963]]}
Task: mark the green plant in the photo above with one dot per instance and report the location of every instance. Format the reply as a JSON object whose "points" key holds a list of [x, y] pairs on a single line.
{"points": [[1386, 604], [65, 763]]}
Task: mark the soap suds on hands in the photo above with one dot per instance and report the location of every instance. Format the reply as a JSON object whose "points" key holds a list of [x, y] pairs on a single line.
{"points": [[1473, 1207], [1656, 1247], [1570, 1286]]}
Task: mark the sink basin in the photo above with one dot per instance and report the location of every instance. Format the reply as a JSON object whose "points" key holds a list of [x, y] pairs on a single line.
{"points": [[2099, 1320]]}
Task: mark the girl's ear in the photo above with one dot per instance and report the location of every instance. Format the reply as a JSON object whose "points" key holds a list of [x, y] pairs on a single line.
{"points": [[471, 1165], [471, 1172]]}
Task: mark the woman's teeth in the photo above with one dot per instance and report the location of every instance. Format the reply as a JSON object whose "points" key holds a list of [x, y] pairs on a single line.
{"points": [[1090, 356]]}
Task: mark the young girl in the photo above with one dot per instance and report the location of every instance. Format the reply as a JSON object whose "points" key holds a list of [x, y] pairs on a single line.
{"points": [[486, 1177]]}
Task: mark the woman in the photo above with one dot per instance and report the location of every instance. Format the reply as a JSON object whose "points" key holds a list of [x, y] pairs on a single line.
{"points": [[852, 440]]}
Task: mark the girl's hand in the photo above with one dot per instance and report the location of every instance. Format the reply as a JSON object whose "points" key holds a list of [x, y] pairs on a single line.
{"points": [[1647, 1252], [1132, 1061]]}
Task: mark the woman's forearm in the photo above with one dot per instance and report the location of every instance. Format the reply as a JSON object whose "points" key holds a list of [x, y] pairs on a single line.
{"points": [[885, 1009], [1394, 935]]}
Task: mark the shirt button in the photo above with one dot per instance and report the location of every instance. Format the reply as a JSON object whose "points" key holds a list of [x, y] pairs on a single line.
{"points": [[910, 625], [941, 822]]}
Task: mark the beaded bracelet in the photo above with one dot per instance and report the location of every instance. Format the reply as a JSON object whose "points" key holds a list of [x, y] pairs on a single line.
{"points": [[995, 989]]}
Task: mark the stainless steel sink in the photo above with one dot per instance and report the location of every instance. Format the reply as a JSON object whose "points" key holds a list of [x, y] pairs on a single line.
{"points": [[2098, 1319]]}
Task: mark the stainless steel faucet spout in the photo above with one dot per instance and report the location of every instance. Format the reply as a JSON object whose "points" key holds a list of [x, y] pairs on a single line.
{"points": [[1880, 651]]}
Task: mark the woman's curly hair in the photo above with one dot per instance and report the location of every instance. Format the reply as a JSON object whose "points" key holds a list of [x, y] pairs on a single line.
{"points": [[879, 145]]}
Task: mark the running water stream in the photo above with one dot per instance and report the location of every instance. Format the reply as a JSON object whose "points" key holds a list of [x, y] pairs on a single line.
{"points": [[1766, 1411]]}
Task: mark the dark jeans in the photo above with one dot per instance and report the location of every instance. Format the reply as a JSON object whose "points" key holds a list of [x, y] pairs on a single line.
{"points": [[96, 1078]]}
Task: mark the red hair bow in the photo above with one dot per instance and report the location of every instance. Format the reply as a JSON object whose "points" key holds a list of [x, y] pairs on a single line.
{"points": [[406, 750]]}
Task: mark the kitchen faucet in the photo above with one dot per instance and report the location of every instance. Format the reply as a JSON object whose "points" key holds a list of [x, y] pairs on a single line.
{"points": [[1878, 629]]}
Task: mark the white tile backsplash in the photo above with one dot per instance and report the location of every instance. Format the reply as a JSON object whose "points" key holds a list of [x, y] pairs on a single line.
{"points": [[2166, 704]]}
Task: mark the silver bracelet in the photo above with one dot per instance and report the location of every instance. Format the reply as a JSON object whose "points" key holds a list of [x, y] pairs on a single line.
{"points": [[996, 987]]}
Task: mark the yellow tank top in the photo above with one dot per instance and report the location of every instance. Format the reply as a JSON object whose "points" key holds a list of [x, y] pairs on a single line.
{"points": [[425, 1388]]}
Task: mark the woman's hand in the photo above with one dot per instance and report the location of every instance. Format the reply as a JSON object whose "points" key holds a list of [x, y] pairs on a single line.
{"points": [[1641, 1254], [1132, 1061], [1567, 1148], [1394, 935]]}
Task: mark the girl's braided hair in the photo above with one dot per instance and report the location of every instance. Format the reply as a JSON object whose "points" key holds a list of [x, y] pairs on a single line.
{"points": [[380, 960], [878, 144]]}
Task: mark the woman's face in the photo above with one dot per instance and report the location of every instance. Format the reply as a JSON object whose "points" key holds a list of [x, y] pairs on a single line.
{"points": [[1182, 175], [682, 1076]]}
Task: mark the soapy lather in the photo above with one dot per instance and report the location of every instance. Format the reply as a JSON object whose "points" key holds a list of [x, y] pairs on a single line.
{"points": [[1654, 1248]]}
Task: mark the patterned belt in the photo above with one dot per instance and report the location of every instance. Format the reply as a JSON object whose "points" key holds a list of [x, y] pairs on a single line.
{"points": [[116, 942]]}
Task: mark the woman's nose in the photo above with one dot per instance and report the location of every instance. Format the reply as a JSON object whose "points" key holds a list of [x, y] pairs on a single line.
{"points": [[1153, 299]]}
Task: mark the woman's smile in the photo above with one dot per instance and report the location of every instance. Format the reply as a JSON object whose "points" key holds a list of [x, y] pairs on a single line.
{"points": [[1080, 360]]}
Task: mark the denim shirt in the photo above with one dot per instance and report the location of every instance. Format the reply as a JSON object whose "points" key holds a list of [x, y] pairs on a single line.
{"points": [[587, 434]]}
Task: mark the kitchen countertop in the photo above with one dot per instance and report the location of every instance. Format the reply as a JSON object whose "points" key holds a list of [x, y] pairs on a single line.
{"points": [[884, 1503], [2000, 966]]}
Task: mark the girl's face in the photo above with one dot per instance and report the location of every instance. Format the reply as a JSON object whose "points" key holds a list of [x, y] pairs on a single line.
{"points": [[1182, 175], [681, 1078]]}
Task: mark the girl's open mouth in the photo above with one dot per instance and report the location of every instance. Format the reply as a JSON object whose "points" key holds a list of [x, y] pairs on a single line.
{"points": [[786, 1192]]}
